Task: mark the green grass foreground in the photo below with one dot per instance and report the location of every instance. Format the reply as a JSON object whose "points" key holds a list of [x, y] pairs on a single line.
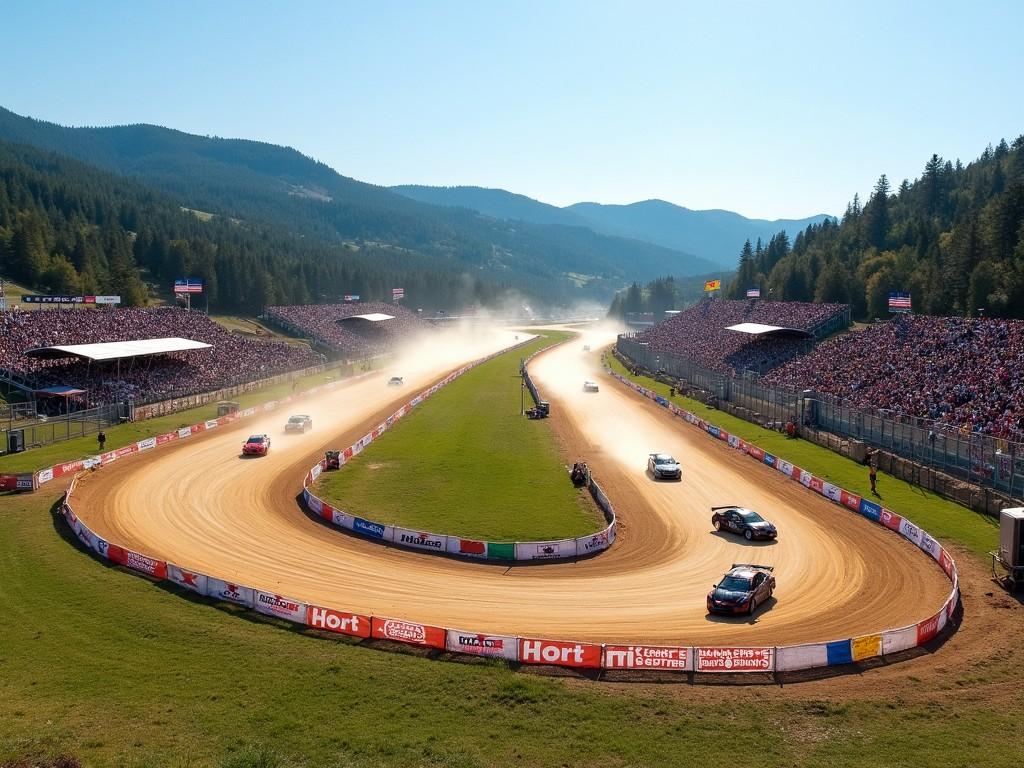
{"points": [[108, 667], [467, 462], [942, 518], [123, 434]]}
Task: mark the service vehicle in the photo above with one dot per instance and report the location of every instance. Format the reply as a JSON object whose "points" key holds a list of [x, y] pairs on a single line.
{"points": [[256, 445], [590, 386], [301, 423], [395, 381], [742, 589], [745, 522], [664, 467]]}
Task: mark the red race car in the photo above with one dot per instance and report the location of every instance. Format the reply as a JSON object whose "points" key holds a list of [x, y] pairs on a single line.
{"points": [[256, 445]]}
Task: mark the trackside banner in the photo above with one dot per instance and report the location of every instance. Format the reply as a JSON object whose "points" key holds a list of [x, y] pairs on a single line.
{"points": [[648, 657], [467, 547], [559, 652], [197, 582], [233, 593], [729, 659], [281, 607], [432, 542], [137, 562], [343, 623], [545, 550], [476, 644], [407, 632]]}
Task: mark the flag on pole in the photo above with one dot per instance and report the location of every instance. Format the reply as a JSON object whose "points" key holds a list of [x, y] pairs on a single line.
{"points": [[712, 285], [753, 293], [899, 301]]}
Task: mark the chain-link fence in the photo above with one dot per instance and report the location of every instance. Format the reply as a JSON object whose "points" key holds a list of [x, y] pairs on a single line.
{"points": [[977, 458], [39, 429]]}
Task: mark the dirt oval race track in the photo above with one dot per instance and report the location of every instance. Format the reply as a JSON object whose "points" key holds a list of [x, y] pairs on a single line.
{"points": [[202, 506]]}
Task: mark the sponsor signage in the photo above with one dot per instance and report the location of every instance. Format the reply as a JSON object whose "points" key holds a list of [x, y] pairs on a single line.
{"points": [[476, 644], [870, 510], [137, 562], [184, 432], [927, 629], [368, 528], [560, 653], [805, 478], [16, 482], [545, 550], [757, 453], [197, 582], [233, 593], [865, 647], [946, 562], [145, 445], [784, 466], [647, 657], [734, 659], [850, 500], [596, 543], [350, 297], [45, 475], [769, 459], [910, 531], [41, 299], [420, 540], [353, 624], [833, 492], [817, 485], [407, 632], [930, 545], [341, 519], [890, 520], [467, 547], [282, 607]]}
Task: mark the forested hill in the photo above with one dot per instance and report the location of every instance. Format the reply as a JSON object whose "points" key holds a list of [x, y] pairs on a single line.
{"points": [[281, 188], [954, 238], [69, 228]]}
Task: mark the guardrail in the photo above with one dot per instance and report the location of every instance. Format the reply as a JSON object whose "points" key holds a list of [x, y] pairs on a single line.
{"points": [[447, 544], [574, 654]]}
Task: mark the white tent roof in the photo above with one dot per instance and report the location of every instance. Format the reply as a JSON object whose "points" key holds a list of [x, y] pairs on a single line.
{"points": [[373, 317], [759, 329], [114, 350]]}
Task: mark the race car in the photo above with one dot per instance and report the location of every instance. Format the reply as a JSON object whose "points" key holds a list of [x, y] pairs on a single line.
{"points": [[395, 381], [742, 521], [590, 386], [256, 445], [586, 347], [664, 467], [299, 424], [742, 589]]}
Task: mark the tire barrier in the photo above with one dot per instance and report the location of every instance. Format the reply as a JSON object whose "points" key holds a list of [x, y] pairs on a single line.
{"points": [[452, 545]]}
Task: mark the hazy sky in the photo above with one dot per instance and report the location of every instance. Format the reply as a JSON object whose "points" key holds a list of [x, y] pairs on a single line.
{"points": [[772, 109]]}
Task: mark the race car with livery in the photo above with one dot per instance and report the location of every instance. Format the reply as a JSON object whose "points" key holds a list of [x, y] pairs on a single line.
{"points": [[256, 445], [301, 423], [745, 522], [395, 381], [742, 589], [664, 467]]}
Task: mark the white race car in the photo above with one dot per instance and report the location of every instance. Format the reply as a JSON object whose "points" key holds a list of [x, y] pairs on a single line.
{"points": [[590, 386]]}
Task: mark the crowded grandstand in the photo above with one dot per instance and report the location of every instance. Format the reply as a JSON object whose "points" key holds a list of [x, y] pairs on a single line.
{"points": [[230, 358], [355, 330]]}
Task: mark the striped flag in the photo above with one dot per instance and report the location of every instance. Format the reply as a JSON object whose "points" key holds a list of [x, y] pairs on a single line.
{"points": [[753, 293], [899, 301], [712, 285]]}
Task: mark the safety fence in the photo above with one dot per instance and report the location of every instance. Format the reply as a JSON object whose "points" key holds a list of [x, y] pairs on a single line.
{"points": [[458, 546]]}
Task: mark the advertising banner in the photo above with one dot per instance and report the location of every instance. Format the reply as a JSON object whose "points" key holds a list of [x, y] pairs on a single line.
{"points": [[734, 659], [674, 658], [866, 647], [145, 445], [586, 545], [890, 520], [910, 531], [187, 579], [185, 432], [927, 629], [930, 545], [341, 519], [467, 547], [801, 657], [370, 528], [281, 607], [757, 453], [431, 542], [805, 478], [895, 640], [850, 500], [817, 485], [163, 439], [545, 550], [500, 550], [560, 653], [313, 502], [353, 624], [137, 562], [946, 562], [407, 632], [212, 424], [832, 491], [314, 473], [45, 475], [86, 536], [476, 644], [769, 459], [233, 593], [870, 510], [784, 467]]}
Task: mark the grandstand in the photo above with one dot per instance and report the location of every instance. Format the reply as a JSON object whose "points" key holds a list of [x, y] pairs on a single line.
{"points": [[60, 350], [354, 330], [732, 336]]}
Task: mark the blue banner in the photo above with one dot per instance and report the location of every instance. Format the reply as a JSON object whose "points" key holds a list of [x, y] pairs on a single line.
{"points": [[839, 652], [870, 510], [769, 459], [368, 528]]}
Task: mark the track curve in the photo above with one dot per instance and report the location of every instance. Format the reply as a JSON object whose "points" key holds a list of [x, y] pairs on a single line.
{"points": [[198, 504]]}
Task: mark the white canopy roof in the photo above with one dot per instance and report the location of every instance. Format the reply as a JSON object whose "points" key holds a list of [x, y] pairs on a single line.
{"points": [[759, 329], [373, 317], [114, 350]]}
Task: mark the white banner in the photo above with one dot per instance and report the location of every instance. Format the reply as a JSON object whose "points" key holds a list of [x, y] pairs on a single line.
{"points": [[145, 445], [834, 493], [281, 607], [805, 478], [197, 582], [896, 640], [211, 424], [801, 657], [342, 519], [910, 531], [586, 545], [315, 471], [648, 657], [431, 542], [784, 467], [930, 545], [313, 502], [185, 432], [494, 646], [545, 550], [45, 475], [733, 659], [233, 593]]}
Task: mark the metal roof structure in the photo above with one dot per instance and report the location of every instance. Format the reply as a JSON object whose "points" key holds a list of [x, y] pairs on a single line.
{"points": [[758, 329], [117, 350], [373, 317]]}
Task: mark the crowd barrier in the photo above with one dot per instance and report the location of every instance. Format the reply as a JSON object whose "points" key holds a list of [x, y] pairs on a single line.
{"points": [[568, 653], [447, 544]]}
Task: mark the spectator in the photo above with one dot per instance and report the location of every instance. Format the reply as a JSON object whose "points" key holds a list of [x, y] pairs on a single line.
{"points": [[101, 438]]}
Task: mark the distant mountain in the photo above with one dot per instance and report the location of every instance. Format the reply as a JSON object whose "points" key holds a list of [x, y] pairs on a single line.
{"points": [[715, 236], [279, 187]]}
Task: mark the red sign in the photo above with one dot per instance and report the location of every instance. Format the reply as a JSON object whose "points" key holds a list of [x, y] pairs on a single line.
{"points": [[407, 632], [470, 547], [646, 657], [341, 622], [795, 473], [817, 484], [927, 629], [137, 562], [890, 519], [327, 512], [560, 653], [163, 439], [723, 435], [734, 659], [851, 500], [946, 562], [757, 453]]}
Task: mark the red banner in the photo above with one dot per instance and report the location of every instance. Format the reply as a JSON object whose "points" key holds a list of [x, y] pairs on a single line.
{"points": [[757, 453], [353, 624], [946, 562], [850, 500], [890, 519], [326, 512], [164, 439], [795, 472], [407, 632], [734, 659], [560, 653], [817, 485], [927, 629], [646, 657], [137, 562]]}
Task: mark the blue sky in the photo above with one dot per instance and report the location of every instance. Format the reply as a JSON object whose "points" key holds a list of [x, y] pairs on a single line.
{"points": [[772, 109]]}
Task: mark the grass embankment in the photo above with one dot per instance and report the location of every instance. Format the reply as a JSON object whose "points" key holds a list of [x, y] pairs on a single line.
{"points": [[466, 462], [123, 434], [117, 671], [941, 518]]}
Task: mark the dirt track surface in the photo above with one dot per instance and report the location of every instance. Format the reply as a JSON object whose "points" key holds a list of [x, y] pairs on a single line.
{"points": [[202, 506]]}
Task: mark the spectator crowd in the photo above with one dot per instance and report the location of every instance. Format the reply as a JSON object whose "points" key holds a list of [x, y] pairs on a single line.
{"points": [[965, 374], [233, 358], [338, 327], [700, 333]]}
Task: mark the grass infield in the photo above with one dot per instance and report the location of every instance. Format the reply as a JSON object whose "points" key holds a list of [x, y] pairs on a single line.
{"points": [[467, 462], [942, 518]]}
